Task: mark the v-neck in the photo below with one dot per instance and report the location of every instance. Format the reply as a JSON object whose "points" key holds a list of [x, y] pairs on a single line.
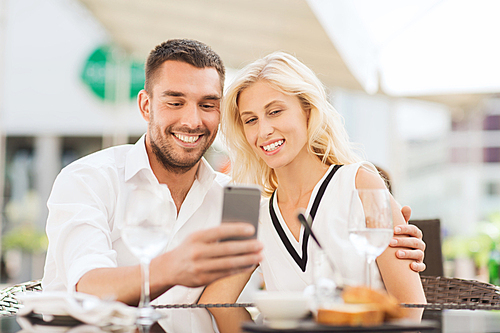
{"points": [[284, 232], [295, 243]]}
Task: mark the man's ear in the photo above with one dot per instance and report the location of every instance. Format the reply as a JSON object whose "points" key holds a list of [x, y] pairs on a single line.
{"points": [[144, 103]]}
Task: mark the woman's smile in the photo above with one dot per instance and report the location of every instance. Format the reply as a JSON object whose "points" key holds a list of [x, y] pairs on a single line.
{"points": [[273, 147]]}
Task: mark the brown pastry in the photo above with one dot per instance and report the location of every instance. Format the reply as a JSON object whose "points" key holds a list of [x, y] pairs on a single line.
{"points": [[351, 315], [365, 295]]}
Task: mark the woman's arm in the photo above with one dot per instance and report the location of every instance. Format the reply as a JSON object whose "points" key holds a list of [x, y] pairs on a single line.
{"points": [[227, 290], [400, 281]]}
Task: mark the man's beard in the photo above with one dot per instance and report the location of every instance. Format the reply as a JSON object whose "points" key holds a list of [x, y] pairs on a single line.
{"points": [[170, 160]]}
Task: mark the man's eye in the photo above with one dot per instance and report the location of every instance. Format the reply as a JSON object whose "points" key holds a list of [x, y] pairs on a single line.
{"points": [[175, 104], [207, 106]]}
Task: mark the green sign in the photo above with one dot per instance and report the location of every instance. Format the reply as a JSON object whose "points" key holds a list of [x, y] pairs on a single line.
{"points": [[102, 72]]}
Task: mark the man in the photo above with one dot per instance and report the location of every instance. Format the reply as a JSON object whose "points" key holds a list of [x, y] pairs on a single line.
{"points": [[86, 253], [180, 103]]}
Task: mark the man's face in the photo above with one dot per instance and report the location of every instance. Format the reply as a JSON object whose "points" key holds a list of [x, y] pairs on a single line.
{"points": [[183, 114]]}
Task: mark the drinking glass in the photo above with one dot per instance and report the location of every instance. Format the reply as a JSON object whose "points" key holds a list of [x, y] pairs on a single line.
{"points": [[327, 293], [146, 235], [370, 224]]}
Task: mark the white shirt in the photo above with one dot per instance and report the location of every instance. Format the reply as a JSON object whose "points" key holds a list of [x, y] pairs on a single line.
{"points": [[84, 221], [281, 271]]}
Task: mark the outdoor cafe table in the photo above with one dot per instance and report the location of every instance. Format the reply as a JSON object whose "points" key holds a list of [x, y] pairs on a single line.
{"points": [[434, 321], [445, 321]]}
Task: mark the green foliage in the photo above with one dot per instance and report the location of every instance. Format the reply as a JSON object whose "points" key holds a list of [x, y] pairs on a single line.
{"points": [[477, 246], [26, 238]]}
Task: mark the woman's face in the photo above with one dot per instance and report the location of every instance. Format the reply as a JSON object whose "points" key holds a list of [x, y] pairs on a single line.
{"points": [[274, 123]]}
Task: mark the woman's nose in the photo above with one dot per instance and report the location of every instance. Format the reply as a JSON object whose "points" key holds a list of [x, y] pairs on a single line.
{"points": [[265, 129]]}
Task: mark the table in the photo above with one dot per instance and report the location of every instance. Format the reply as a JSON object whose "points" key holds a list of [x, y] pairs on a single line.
{"points": [[446, 321]]}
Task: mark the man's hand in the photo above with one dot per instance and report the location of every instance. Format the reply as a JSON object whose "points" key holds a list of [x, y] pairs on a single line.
{"points": [[197, 261], [412, 247], [202, 259]]}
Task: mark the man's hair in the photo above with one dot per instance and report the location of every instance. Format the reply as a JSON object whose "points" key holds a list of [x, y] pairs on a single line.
{"points": [[189, 51]]}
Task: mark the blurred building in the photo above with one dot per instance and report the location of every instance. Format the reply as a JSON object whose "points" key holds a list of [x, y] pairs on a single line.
{"points": [[474, 157], [49, 116], [443, 163], [406, 137]]}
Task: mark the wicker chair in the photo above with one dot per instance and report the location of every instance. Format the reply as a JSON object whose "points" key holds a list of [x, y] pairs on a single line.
{"points": [[454, 293], [9, 305]]}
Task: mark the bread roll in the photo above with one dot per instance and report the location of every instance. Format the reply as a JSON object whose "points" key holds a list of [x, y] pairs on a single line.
{"points": [[364, 295], [351, 315]]}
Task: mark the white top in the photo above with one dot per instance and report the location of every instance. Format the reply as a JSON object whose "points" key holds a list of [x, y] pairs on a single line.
{"points": [[84, 221], [281, 272]]}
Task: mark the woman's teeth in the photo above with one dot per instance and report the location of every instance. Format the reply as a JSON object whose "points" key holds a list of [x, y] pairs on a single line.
{"points": [[273, 145], [187, 138]]}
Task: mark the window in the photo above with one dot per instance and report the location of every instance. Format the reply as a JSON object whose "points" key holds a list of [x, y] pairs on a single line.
{"points": [[492, 122], [491, 155], [493, 188]]}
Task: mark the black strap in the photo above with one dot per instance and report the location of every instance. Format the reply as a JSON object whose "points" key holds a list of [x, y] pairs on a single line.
{"points": [[301, 261]]}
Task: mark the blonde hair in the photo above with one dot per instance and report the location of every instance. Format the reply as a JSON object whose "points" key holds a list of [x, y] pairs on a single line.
{"points": [[327, 137]]}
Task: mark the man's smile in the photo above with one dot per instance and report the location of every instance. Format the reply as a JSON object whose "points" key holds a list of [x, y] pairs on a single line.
{"points": [[187, 138]]}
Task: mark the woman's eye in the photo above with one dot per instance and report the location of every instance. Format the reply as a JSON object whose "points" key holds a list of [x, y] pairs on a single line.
{"points": [[275, 112], [250, 121]]}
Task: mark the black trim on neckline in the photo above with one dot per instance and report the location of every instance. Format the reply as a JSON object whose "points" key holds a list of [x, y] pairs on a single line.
{"points": [[302, 262]]}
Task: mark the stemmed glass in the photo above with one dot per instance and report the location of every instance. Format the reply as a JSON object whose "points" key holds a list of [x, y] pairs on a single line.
{"points": [[370, 224], [146, 235]]}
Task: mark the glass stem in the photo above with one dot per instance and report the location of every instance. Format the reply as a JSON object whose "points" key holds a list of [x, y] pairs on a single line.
{"points": [[145, 291], [369, 260]]}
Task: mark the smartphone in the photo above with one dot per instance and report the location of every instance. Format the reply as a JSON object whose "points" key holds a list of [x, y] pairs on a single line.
{"points": [[241, 204]]}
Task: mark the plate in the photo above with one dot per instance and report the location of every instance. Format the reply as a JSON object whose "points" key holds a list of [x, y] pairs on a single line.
{"points": [[312, 326]]}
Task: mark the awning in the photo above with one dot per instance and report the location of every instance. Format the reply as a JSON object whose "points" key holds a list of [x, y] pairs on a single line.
{"points": [[383, 46]]}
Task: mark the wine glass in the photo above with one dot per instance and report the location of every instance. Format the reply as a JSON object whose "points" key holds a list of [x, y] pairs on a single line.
{"points": [[370, 224], [146, 234]]}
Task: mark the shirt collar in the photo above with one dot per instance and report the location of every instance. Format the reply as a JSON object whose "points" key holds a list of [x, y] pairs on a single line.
{"points": [[205, 174], [137, 160]]}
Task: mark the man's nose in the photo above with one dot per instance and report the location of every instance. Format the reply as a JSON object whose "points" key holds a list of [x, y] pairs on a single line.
{"points": [[191, 116]]}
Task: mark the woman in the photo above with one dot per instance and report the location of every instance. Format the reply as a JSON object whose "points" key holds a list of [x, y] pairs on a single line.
{"points": [[286, 137]]}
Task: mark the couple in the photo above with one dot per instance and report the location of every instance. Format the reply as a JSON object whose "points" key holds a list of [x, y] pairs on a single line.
{"points": [[181, 105]]}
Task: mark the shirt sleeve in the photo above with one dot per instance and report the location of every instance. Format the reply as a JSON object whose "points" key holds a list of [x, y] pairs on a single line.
{"points": [[80, 207]]}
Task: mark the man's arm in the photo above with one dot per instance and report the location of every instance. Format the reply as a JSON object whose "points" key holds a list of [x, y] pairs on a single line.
{"points": [[411, 247], [198, 261]]}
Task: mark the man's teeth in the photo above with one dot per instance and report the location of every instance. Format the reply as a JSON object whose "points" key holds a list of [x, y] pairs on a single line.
{"points": [[273, 145], [187, 138]]}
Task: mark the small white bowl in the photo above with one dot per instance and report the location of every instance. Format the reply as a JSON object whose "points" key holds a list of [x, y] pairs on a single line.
{"points": [[282, 309]]}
